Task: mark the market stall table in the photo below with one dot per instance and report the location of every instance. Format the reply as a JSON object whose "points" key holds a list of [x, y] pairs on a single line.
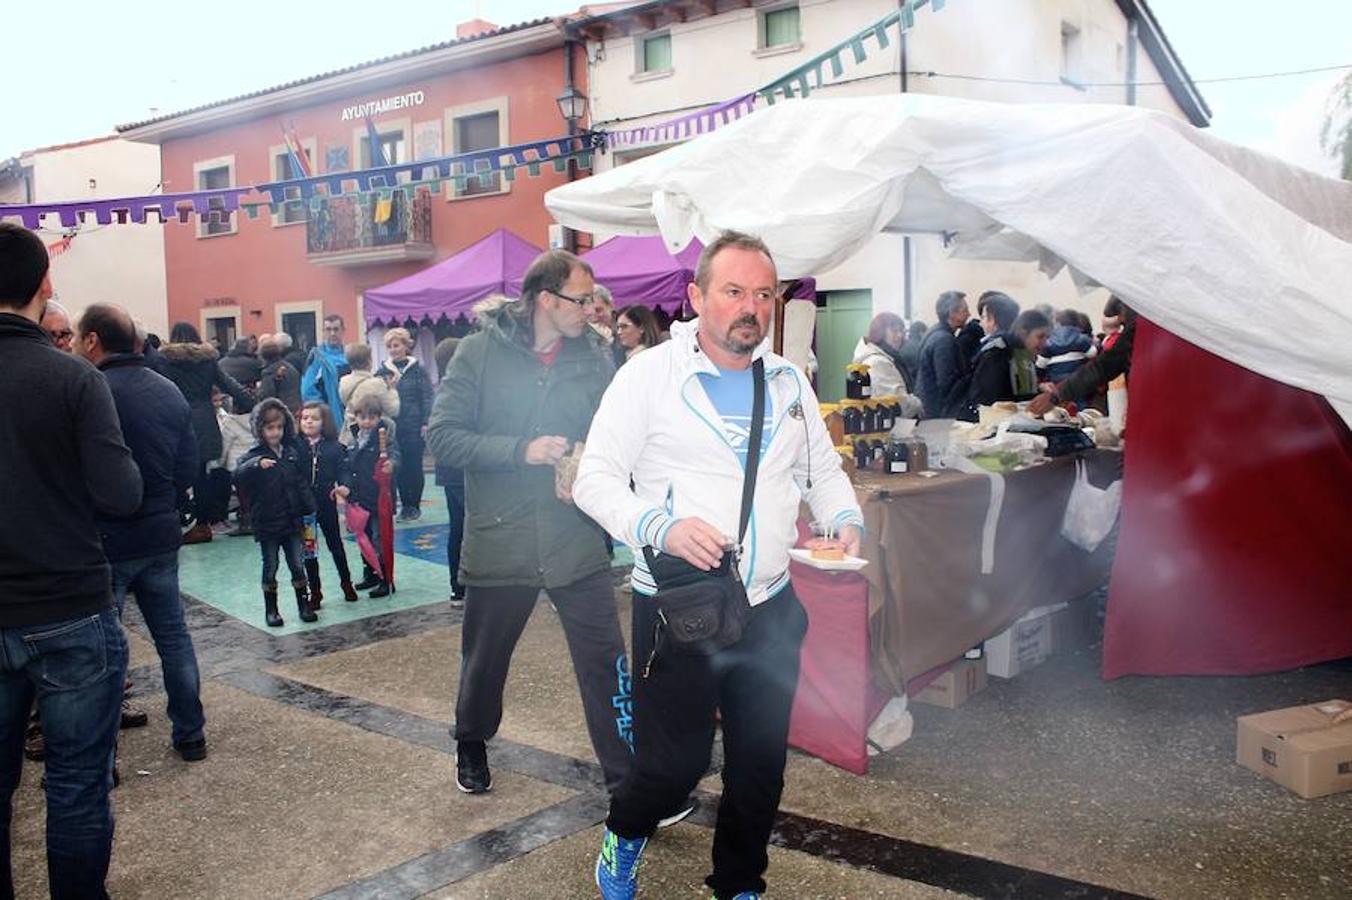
{"points": [[924, 599]]}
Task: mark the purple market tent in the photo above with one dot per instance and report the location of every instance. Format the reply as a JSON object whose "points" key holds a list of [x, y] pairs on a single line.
{"points": [[494, 265], [640, 270]]}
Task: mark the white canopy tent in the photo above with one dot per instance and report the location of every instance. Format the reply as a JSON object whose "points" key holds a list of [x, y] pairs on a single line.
{"points": [[1237, 252]]}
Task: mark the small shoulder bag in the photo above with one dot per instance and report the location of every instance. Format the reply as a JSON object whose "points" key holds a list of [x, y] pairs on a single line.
{"points": [[700, 613]]}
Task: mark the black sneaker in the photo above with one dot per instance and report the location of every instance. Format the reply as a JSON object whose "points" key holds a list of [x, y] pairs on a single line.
{"points": [[192, 751], [471, 767]]}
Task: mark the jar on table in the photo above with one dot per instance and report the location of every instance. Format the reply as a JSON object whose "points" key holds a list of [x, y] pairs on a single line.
{"points": [[863, 454], [919, 453], [852, 417], [886, 418], [879, 455], [870, 416], [898, 458], [858, 383]]}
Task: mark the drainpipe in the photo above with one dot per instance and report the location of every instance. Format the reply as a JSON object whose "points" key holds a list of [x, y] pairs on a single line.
{"points": [[906, 240], [1131, 61], [568, 47]]}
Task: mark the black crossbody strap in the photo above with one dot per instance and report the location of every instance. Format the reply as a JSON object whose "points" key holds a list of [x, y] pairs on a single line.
{"points": [[753, 446]]}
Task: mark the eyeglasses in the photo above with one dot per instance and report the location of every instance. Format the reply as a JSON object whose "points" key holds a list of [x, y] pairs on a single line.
{"points": [[59, 336], [580, 301]]}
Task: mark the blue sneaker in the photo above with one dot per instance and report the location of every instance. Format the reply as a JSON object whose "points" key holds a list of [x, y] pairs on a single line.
{"points": [[617, 866]]}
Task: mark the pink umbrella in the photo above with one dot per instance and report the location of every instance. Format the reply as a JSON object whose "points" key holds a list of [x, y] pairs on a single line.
{"points": [[356, 523]]}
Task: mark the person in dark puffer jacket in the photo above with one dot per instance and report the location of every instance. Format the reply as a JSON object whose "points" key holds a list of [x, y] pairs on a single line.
{"points": [[195, 368], [242, 363], [358, 482], [405, 373], [143, 547], [1069, 346], [273, 480], [323, 458], [278, 378], [62, 462]]}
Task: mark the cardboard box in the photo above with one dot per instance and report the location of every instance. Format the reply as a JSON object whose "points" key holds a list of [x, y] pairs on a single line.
{"points": [[1026, 643], [1306, 749], [953, 688], [1075, 627]]}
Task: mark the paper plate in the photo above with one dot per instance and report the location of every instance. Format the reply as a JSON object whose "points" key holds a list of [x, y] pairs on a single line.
{"points": [[848, 564]]}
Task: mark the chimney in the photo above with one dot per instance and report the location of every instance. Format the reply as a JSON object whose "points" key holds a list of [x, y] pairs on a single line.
{"points": [[473, 28]]}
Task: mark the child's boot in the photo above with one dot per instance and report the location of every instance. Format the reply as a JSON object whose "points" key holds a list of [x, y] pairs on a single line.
{"points": [[303, 601], [274, 619], [383, 589], [369, 578], [312, 576]]}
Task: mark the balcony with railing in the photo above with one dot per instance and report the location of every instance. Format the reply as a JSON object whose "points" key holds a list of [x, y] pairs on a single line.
{"points": [[365, 229]]}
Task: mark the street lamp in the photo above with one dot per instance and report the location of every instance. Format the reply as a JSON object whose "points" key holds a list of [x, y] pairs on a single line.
{"points": [[572, 105]]}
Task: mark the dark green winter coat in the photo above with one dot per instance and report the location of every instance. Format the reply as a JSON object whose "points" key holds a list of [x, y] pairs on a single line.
{"points": [[495, 399]]}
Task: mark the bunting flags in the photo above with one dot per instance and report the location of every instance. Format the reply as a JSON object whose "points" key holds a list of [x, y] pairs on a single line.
{"points": [[812, 75], [479, 165], [218, 206]]}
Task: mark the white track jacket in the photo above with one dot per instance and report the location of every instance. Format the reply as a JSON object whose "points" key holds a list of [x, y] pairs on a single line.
{"points": [[656, 425]]}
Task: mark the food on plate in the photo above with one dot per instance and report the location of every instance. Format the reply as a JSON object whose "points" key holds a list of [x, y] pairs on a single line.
{"points": [[828, 553]]}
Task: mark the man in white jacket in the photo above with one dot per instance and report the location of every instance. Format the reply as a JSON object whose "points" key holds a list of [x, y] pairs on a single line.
{"points": [[676, 420]]}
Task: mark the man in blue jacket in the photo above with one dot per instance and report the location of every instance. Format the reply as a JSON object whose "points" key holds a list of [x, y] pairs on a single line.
{"points": [[941, 360], [62, 461], [143, 547]]}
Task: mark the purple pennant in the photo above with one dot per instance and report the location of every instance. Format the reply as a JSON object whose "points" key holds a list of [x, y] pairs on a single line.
{"points": [[123, 209], [701, 121]]}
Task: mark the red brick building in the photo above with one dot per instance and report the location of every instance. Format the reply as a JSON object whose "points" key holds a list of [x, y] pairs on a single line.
{"points": [[489, 87]]}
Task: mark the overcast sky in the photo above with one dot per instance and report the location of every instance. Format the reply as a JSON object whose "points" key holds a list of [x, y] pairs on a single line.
{"points": [[79, 68]]}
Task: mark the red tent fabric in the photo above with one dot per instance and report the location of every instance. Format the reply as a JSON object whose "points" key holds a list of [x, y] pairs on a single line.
{"points": [[1236, 521]]}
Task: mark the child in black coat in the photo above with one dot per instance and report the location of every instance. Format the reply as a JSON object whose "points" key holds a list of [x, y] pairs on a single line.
{"points": [[323, 458], [272, 479], [358, 483]]}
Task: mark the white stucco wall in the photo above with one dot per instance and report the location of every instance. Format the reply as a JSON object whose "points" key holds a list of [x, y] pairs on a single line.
{"points": [[109, 263], [715, 59]]}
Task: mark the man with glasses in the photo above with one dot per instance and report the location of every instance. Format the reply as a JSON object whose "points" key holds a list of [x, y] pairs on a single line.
{"points": [[56, 322], [515, 403]]}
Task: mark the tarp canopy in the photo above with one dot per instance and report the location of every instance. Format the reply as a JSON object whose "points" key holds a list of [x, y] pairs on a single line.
{"points": [[1239, 253], [494, 265], [642, 270]]}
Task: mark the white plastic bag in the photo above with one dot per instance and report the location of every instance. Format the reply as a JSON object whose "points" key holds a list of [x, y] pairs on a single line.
{"points": [[1090, 512]]}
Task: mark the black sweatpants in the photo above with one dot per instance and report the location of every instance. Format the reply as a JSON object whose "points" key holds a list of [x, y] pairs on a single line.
{"points": [[752, 683], [494, 620]]}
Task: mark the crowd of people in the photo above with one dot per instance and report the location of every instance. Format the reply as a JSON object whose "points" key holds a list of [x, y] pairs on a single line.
{"points": [[544, 440], [557, 428], [951, 369]]}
